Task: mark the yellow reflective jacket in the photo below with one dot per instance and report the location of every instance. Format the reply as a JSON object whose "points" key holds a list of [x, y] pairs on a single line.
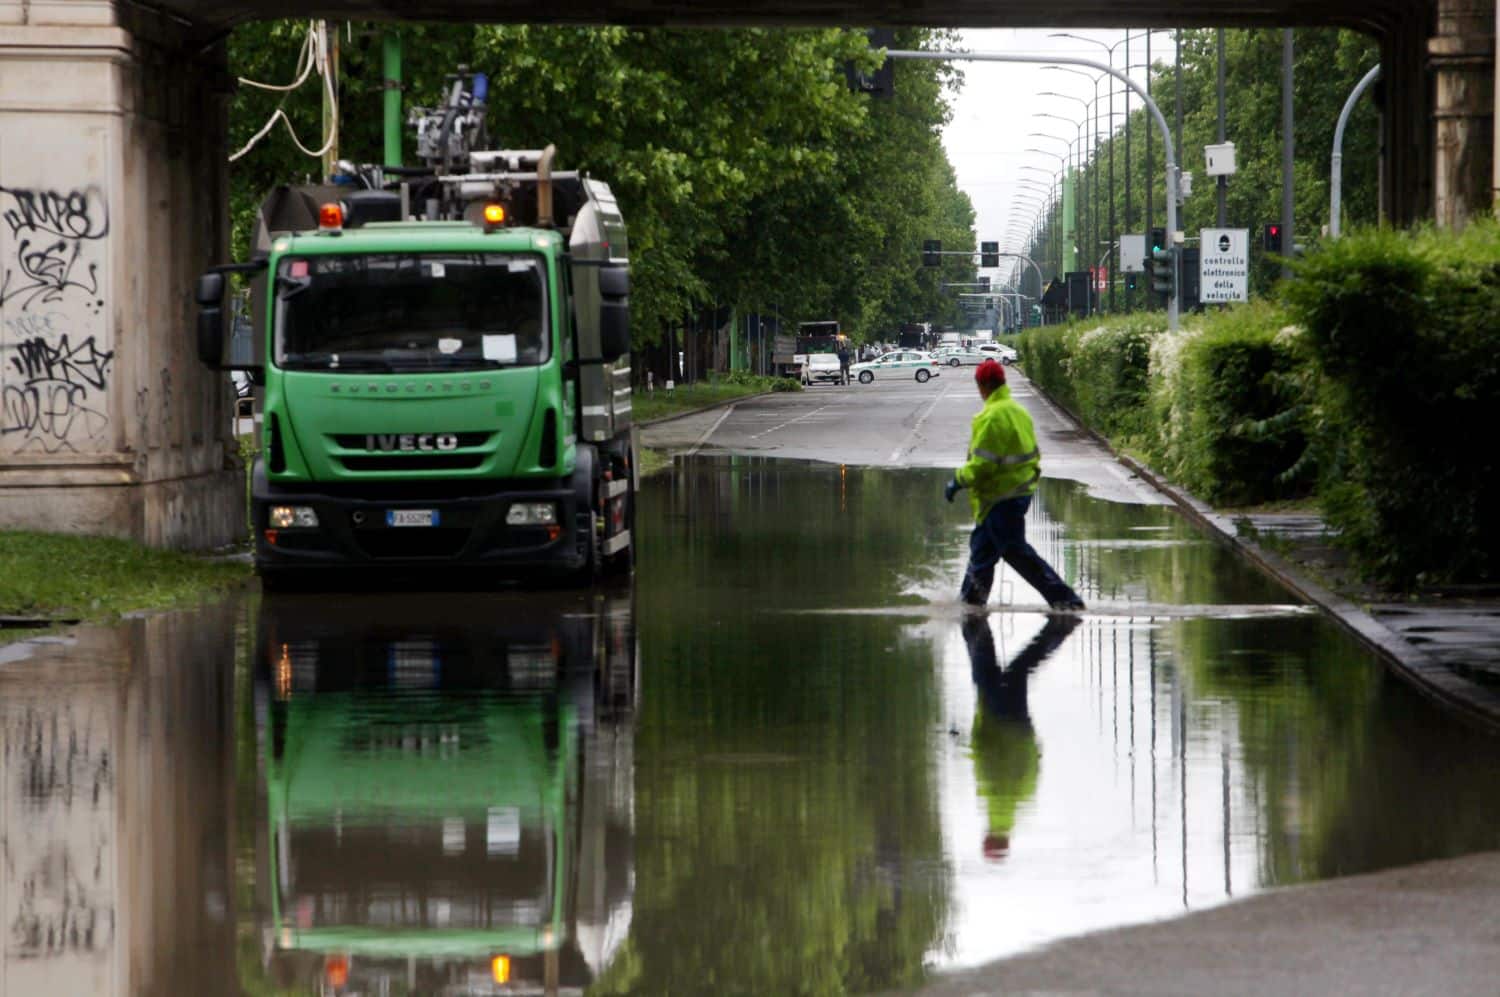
{"points": [[1004, 461]]}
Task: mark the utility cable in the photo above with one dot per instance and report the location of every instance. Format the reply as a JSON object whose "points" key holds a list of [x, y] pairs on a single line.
{"points": [[314, 55]]}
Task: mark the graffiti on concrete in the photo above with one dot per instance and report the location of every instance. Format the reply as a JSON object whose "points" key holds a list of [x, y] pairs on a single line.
{"points": [[48, 383], [50, 230], [55, 356]]}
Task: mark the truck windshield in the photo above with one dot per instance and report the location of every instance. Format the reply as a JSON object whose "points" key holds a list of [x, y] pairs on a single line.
{"points": [[404, 312]]}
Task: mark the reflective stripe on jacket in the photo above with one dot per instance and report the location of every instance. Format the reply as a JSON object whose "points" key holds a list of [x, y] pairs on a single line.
{"points": [[1004, 461]]}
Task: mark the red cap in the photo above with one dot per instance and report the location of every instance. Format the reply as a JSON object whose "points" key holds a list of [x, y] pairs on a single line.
{"points": [[989, 375]]}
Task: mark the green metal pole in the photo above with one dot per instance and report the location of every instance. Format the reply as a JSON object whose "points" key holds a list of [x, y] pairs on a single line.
{"points": [[390, 50], [1070, 223]]}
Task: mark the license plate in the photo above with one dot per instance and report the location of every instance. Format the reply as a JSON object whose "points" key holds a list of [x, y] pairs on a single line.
{"points": [[411, 517]]}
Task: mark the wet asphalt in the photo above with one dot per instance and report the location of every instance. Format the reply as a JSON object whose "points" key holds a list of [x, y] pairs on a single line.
{"points": [[780, 760]]}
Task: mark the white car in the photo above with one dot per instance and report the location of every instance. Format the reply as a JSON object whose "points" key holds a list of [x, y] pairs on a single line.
{"points": [[820, 367], [1001, 352], [898, 365], [961, 356]]}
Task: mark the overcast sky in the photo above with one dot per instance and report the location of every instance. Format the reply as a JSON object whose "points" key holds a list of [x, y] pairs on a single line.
{"points": [[1000, 104]]}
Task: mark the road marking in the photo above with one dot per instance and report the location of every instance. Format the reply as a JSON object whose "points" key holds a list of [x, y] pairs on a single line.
{"points": [[910, 442], [710, 431], [789, 422]]}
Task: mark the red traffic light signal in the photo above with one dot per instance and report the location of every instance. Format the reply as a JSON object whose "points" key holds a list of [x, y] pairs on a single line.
{"points": [[1271, 242]]}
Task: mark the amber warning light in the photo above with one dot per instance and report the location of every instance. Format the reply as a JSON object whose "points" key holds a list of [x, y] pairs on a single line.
{"points": [[494, 216], [330, 217]]}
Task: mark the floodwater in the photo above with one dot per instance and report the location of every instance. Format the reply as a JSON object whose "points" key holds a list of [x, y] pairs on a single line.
{"points": [[781, 762]]}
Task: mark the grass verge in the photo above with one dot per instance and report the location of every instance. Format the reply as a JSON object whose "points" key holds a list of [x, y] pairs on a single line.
{"points": [[652, 461], [65, 577], [646, 406]]}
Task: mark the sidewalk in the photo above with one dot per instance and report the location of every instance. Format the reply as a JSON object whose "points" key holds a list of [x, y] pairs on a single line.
{"points": [[1424, 929]]}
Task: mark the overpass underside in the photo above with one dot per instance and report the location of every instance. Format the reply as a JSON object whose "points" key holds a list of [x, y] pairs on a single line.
{"points": [[113, 197]]}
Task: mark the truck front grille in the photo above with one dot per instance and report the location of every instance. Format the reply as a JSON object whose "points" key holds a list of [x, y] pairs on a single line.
{"points": [[414, 462]]}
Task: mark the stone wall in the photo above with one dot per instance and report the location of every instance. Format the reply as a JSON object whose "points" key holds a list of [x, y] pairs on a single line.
{"points": [[112, 197]]}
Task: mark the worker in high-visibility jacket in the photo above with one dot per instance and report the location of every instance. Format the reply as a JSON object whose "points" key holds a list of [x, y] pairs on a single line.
{"points": [[1001, 473]]}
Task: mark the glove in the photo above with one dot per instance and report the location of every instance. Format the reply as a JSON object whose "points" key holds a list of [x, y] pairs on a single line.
{"points": [[951, 489]]}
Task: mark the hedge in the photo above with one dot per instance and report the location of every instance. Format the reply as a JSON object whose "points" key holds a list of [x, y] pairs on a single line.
{"points": [[1403, 329]]}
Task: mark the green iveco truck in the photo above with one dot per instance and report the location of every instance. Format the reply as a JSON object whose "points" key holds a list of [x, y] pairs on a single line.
{"points": [[440, 359]]}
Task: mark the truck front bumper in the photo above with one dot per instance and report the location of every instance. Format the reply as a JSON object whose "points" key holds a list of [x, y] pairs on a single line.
{"points": [[467, 530]]}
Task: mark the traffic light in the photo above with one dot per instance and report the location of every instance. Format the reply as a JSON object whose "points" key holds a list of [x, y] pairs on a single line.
{"points": [[1131, 281], [1164, 271], [984, 285], [1271, 241], [1158, 240], [932, 253], [989, 254], [880, 84]]}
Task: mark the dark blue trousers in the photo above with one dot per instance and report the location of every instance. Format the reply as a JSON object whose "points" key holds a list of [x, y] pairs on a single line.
{"points": [[1002, 535]]}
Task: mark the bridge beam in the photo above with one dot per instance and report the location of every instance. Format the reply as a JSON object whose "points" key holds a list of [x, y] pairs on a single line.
{"points": [[112, 194]]}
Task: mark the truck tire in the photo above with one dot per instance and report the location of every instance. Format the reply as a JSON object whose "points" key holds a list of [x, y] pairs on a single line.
{"points": [[922, 376], [586, 516]]}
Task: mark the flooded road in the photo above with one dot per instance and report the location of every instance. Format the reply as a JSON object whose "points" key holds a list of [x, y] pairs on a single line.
{"points": [[781, 762]]}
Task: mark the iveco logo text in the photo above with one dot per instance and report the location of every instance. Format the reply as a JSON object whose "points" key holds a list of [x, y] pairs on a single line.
{"points": [[412, 441]]}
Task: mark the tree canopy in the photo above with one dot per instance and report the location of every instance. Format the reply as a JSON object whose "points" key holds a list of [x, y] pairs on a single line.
{"points": [[750, 174]]}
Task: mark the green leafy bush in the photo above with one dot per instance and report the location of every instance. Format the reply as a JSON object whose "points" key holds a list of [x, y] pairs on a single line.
{"points": [[1109, 367], [1042, 352], [1229, 407], [1403, 333]]}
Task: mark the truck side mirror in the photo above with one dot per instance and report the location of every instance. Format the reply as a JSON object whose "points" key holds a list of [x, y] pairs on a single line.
{"points": [[614, 312], [210, 296]]}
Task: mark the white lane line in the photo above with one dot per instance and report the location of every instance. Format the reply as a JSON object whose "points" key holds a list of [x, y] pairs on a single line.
{"points": [[910, 442], [789, 422], [710, 431]]}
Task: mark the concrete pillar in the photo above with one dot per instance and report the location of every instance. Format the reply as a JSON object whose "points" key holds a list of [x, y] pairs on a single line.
{"points": [[112, 194], [1461, 58]]}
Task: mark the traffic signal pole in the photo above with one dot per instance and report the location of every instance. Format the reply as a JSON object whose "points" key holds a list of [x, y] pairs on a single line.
{"points": [[1169, 150]]}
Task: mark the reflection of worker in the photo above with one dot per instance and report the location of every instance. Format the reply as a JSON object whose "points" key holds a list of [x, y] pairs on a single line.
{"points": [[843, 363], [1003, 743], [1003, 468]]}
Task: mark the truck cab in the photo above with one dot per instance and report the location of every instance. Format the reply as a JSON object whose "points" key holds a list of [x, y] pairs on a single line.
{"points": [[442, 373]]}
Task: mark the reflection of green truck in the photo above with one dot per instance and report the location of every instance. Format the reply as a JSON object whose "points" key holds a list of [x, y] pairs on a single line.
{"points": [[438, 808], [442, 364]]}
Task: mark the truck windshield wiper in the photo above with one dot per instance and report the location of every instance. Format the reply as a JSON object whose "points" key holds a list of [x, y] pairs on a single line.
{"points": [[334, 361]]}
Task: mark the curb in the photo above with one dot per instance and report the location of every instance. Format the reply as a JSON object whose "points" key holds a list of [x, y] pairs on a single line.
{"points": [[1421, 670]]}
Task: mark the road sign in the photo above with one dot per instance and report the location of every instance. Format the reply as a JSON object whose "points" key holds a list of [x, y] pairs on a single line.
{"points": [[1224, 265], [1132, 254]]}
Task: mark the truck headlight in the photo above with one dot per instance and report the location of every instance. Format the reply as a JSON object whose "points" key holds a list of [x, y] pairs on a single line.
{"points": [[531, 514], [287, 516]]}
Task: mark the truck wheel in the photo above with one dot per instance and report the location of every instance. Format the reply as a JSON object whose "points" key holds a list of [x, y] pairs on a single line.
{"points": [[922, 376], [588, 572], [865, 377]]}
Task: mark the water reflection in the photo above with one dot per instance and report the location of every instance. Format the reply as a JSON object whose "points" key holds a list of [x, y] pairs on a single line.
{"points": [[1003, 740], [447, 800], [818, 710], [115, 792]]}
